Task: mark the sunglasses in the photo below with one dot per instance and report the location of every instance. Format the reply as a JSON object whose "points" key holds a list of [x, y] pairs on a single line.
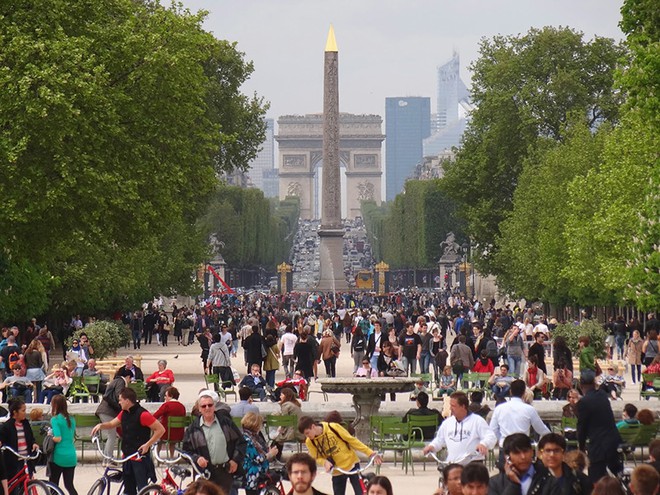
{"points": [[204, 406]]}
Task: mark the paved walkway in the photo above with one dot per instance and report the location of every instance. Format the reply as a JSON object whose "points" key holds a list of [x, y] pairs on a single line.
{"points": [[186, 365]]}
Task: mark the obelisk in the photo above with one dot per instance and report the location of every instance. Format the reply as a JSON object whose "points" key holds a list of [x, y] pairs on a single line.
{"points": [[332, 276]]}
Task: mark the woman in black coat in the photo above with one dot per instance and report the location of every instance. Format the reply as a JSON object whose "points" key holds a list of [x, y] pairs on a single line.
{"points": [[9, 438]]}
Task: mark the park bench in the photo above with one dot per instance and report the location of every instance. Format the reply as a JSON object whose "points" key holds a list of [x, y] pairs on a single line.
{"points": [[110, 366]]}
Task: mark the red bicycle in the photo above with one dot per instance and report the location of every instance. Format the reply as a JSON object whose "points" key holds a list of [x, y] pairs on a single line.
{"points": [[24, 483], [168, 484]]}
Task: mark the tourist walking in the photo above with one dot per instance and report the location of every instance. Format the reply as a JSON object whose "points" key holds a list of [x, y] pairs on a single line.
{"points": [[64, 460]]}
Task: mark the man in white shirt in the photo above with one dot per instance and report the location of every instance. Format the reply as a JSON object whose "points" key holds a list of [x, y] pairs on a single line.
{"points": [[541, 327], [287, 343], [467, 436], [515, 416]]}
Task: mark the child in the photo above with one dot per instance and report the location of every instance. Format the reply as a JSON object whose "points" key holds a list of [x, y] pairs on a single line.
{"points": [[447, 382], [419, 387]]}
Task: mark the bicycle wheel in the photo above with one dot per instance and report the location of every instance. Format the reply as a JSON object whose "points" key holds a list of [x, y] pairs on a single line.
{"points": [[270, 490], [37, 487], [152, 490], [53, 488], [98, 488]]}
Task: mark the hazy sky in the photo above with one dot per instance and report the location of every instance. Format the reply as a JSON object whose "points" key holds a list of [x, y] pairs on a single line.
{"points": [[386, 47]]}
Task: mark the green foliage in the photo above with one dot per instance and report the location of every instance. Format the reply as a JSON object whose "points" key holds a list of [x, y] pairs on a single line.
{"points": [[105, 337], [588, 328], [524, 88], [24, 290], [407, 232], [114, 118], [254, 230], [533, 248]]}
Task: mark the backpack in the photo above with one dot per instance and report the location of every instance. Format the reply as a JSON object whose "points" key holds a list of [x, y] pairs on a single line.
{"points": [[13, 358], [491, 349], [358, 346]]}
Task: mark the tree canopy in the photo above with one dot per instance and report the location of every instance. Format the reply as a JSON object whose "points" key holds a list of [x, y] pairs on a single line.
{"points": [[115, 117], [524, 88]]}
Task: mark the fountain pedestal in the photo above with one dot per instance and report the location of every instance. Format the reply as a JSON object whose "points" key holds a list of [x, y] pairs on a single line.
{"points": [[366, 394]]}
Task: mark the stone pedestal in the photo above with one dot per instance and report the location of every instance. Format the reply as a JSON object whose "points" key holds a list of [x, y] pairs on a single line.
{"points": [[331, 276]]}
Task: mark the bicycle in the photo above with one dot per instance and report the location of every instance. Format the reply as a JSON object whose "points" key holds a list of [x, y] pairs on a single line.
{"points": [[271, 482], [363, 478], [23, 479], [112, 474], [168, 484]]}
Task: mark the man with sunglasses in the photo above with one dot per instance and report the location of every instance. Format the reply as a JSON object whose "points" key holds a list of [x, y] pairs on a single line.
{"points": [[215, 442]]}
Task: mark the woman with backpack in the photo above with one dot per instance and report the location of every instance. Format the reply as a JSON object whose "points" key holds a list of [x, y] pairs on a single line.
{"points": [[64, 458], [358, 347]]}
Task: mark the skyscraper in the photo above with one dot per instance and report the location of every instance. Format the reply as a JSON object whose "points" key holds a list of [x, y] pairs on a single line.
{"points": [[261, 168], [448, 124], [407, 124]]}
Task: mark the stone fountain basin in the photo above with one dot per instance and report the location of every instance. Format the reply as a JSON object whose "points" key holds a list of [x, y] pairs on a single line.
{"points": [[360, 386]]}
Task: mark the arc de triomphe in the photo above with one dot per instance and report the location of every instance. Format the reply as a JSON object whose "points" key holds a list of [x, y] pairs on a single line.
{"points": [[300, 142]]}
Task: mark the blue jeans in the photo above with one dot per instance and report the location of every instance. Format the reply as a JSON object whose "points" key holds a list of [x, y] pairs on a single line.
{"points": [[514, 365], [374, 362], [424, 361], [620, 341], [409, 365], [48, 394], [26, 394], [270, 378], [500, 392]]}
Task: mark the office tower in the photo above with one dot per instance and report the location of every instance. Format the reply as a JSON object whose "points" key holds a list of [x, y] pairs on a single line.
{"points": [[407, 124]]}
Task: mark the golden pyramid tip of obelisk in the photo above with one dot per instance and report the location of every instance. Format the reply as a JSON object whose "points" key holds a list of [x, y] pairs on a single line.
{"points": [[331, 44]]}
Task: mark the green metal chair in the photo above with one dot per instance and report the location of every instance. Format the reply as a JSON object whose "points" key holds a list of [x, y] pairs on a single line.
{"points": [[228, 388], [645, 434], [213, 382], [140, 389], [274, 421], [87, 421], [417, 425], [375, 433], [176, 422], [648, 378], [77, 390], [93, 384], [396, 437]]}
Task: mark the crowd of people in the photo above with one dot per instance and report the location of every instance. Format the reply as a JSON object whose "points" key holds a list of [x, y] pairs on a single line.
{"points": [[442, 336]]}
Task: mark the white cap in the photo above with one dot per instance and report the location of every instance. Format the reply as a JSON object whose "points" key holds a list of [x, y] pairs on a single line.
{"points": [[209, 393]]}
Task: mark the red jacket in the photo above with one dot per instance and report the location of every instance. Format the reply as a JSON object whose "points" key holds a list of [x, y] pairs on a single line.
{"points": [[480, 367]]}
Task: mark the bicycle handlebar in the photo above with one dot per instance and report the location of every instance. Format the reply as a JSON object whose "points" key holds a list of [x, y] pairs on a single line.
{"points": [[21, 456], [206, 474], [134, 456], [356, 471], [468, 457]]}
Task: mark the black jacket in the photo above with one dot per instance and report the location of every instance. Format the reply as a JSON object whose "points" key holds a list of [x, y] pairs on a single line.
{"points": [[596, 423], [543, 483], [9, 437], [371, 345], [573, 482], [194, 441]]}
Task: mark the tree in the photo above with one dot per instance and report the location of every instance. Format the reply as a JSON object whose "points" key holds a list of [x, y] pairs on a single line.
{"points": [[524, 88], [533, 249], [115, 117], [641, 22]]}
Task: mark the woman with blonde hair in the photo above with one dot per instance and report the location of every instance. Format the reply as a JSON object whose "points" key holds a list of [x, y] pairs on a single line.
{"points": [[257, 454]]}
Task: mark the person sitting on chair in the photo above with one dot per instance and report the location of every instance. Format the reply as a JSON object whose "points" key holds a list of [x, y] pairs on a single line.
{"points": [[159, 381], [255, 382], [423, 409], [297, 383]]}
